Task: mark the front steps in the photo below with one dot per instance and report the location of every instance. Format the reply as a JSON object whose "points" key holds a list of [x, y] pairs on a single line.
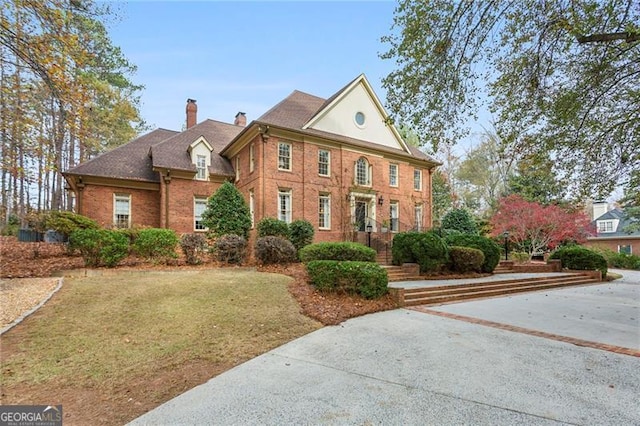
{"points": [[398, 273], [458, 292]]}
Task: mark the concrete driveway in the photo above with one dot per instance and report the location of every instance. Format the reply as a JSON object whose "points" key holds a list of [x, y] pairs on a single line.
{"points": [[407, 367]]}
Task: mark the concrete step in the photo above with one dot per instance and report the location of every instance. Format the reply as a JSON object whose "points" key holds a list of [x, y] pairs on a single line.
{"points": [[444, 294]]}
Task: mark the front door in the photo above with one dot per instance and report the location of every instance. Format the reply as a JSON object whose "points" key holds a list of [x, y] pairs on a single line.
{"points": [[361, 215]]}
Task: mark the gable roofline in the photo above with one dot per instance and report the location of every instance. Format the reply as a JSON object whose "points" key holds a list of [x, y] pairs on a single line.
{"points": [[342, 93], [200, 140]]}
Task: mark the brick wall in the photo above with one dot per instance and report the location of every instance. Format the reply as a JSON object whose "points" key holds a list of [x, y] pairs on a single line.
{"points": [[615, 243], [98, 204], [182, 193]]}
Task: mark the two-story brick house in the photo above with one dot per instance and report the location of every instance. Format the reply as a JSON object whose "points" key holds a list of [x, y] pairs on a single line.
{"points": [[338, 163]]}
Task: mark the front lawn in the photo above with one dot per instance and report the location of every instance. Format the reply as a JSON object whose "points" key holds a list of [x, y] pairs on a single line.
{"points": [[109, 348]]}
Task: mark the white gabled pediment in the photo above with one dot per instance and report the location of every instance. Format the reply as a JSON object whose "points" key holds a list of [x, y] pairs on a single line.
{"points": [[356, 112], [200, 145]]}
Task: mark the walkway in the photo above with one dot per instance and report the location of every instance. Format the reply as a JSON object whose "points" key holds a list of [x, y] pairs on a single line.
{"points": [[413, 368]]}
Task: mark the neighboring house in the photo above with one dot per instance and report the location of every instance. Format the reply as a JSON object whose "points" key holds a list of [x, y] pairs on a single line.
{"points": [[338, 163], [610, 231]]}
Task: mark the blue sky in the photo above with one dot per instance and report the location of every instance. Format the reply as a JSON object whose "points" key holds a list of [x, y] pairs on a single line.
{"points": [[247, 56]]}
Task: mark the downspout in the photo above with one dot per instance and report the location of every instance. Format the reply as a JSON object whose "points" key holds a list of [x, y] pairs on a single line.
{"points": [[167, 181]]}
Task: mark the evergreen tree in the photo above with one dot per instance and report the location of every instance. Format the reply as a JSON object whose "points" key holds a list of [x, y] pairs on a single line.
{"points": [[227, 212]]}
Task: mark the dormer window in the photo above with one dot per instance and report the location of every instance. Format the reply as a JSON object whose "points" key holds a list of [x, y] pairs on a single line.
{"points": [[201, 167], [200, 152]]}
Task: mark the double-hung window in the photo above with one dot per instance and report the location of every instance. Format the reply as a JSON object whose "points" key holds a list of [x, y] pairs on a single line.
{"points": [[393, 216], [201, 167], [284, 156], [252, 158], [324, 158], [417, 180], [199, 206], [418, 217], [393, 175], [252, 208], [122, 210], [324, 211], [284, 205]]}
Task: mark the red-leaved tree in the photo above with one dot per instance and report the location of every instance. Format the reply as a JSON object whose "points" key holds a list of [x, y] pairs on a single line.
{"points": [[536, 227]]}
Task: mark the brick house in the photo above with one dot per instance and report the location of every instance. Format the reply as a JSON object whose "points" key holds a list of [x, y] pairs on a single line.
{"points": [[338, 163], [612, 230]]}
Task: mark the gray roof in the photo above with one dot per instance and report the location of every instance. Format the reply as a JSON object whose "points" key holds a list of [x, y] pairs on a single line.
{"points": [[623, 223], [128, 161], [173, 153]]}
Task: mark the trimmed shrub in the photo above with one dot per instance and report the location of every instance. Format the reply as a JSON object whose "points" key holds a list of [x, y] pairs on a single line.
{"points": [[230, 249], [580, 258], [465, 259], [66, 222], [272, 249], [270, 227], [99, 246], [618, 260], [156, 244], [401, 249], [337, 251], [227, 212], [489, 248], [367, 279], [301, 233], [424, 248], [429, 251], [192, 245], [460, 220]]}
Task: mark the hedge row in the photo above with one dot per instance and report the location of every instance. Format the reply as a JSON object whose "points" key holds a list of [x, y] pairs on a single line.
{"points": [[337, 251], [432, 252], [580, 258], [367, 279]]}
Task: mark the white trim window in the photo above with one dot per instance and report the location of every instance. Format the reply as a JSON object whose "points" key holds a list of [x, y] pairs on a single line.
{"points": [[252, 208], [122, 210], [199, 206], [252, 158], [418, 213], [324, 162], [417, 180], [605, 226], [324, 211], [201, 167], [394, 226], [363, 172], [284, 205], [284, 156], [393, 175]]}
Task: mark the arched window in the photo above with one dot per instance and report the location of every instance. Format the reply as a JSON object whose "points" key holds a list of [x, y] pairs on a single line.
{"points": [[363, 172]]}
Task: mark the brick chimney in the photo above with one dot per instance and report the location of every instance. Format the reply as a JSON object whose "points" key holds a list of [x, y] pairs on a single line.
{"points": [[192, 113], [241, 119]]}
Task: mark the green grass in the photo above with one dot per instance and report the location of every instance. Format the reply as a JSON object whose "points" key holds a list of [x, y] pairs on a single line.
{"points": [[130, 326]]}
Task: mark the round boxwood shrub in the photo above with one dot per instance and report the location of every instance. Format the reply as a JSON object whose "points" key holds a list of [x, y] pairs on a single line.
{"points": [[156, 244], [465, 259], [272, 249], [337, 251], [367, 279], [580, 258], [488, 247], [230, 248], [99, 246], [301, 233], [273, 227]]}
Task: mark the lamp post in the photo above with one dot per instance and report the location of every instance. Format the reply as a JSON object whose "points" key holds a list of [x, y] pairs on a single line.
{"points": [[369, 229], [506, 246]]}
